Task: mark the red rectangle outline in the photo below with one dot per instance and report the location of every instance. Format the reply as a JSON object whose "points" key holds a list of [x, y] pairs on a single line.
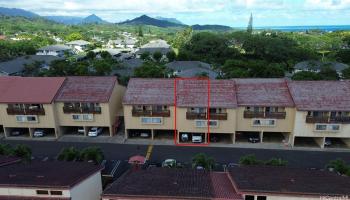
{"points": [[175, 114]]}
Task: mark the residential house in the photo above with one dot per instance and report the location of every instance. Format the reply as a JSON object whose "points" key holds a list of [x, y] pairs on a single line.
{"points": [[154, 46], [187, 69], [89, 102], [55, 50], [27, 103], [16, 66], [78, 45], [149, 108], [127, 43], [265, 110], [51, 180], [127, 67], [284, 183], [322, 112], [175, 184], [316, 66]]}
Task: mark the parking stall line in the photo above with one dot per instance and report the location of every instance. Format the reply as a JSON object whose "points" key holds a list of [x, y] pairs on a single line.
{"points": [[149, 151]]}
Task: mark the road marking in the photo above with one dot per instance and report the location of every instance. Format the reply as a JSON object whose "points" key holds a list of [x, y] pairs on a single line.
{"points": [[149, 151]]}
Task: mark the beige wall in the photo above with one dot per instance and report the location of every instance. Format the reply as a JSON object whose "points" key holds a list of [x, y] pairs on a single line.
{"points": [[29, 192], [135, 122], [44, 121], [282, 125], [89, 189], [301, 128], [115, 102], [281, 197]]}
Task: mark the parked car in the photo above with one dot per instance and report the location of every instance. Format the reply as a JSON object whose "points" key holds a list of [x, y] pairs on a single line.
{"points": [[170, 163], [197, 138], [144, 135], [254, 138], [184, 137], [94, 131], [16, 132], [39, 133], [81, 130], [327, 142]]}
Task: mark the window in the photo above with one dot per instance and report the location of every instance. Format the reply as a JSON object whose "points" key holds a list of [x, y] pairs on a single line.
{"points": [[205, 123], [55, 192], [261, 198], [264, 122], [42, 192], [76, 117], [151, 120], [83, 117], [327, 127], [26, 118], [87, 117], [249, 197]]}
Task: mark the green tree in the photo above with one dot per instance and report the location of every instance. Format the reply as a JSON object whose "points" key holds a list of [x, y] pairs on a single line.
{"points": [[346, 73], [91, 55], [276, 162], [182, 37], [157, 56], [140, 31], [250, 24], [32, 69], [22, 151], [150, 70], [106, 55], [339, 166], [204, 161], [102, 67], [306, 75], [74, 36], [69, 154], [171, 55], [94, 154], [5, 149], [328, 73], [145, 55], [249, 160]]}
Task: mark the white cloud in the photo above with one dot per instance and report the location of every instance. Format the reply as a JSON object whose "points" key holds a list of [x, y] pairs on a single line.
{"points": [[327, 4]]}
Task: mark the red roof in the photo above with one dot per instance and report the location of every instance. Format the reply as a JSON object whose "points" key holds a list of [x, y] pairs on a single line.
{"points": [[8, 160], [321, 95], [87, 89], [29, 89], [189, 92], [263, 92]]}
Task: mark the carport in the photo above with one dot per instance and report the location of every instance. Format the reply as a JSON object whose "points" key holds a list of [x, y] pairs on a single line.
{"points": [[309, 142], [225, 138], [49, 132], [1, 129], [105, 130], [243, 136], [275, 137], [334, 142], [73, 130], [8, 131], [163, 134], [190, 135], [136, 133]]}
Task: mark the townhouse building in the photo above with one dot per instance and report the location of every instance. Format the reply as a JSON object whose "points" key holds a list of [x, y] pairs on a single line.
{"points": [[265, 110], [322, 112], [27, 104], [89, 102]]}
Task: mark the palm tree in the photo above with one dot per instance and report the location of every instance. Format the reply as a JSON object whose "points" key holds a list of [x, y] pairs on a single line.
{"points": [[69, 154], [23, 152], [202, 160], [94, 154]]}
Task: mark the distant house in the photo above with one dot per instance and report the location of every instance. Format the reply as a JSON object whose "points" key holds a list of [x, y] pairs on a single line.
{"points": [[51, 180], [78, 45], [128, 67], [54, 50], [191, 69], [128, 43], [316, 66], [154, 46], [16, 66]]}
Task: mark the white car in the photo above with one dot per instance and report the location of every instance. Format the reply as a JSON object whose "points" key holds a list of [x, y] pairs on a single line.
{"points": [[81, 130], [94, 131], [197, 138], [39, 133]]}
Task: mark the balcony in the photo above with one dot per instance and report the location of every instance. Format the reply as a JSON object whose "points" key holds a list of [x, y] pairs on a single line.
{"points": [[253, 114], [87, 110], [193, 115], [218, 116], [150, 113], [275, 115], [340, 119], [27, 111], [314, 119], [69, 110]]}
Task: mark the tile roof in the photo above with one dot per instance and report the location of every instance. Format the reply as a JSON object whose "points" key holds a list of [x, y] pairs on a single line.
{"points": [[46, 174], [263, 92], [173, 183], [87, 89], [7, 160], [189, 92], [57, 47], [321, 95], [29, 89], [284, 180]]}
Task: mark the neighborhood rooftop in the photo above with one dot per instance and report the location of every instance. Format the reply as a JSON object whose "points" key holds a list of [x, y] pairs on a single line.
{"points": [[173, 184], [87, 89], [78, 42], [55, 48], [29, 89], [46, 174], [263, 92], [321, 95], [293, 181]]}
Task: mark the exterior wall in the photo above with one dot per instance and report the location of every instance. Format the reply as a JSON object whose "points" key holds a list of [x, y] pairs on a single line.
{"points": [[102, 119], [225, 126], [282, 125], [135, 122], [284, 197], [44, 121], [115, 102], [89, 189], [30, 192], [303, 129]]}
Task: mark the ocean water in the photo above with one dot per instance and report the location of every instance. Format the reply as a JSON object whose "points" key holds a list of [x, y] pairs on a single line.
{"points": [[327, 28]]}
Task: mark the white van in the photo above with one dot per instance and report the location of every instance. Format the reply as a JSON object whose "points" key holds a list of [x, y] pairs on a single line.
{"points": [[197, 138]]}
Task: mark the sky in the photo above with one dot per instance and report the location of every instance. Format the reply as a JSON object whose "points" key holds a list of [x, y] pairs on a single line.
{"points": [[233, 13]]}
